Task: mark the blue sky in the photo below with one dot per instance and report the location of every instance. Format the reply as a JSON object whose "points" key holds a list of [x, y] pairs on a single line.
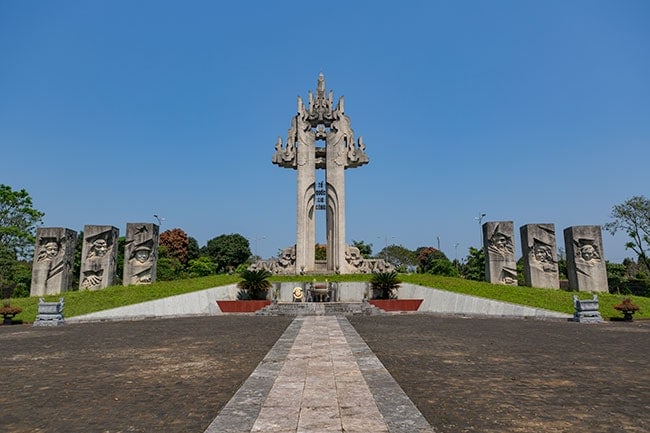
{"points": [[528, 111]]}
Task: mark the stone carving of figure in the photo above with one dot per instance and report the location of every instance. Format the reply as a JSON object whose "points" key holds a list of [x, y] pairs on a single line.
{"points": [[588, 252], [93, 275], [51, 261], [543, 256], [288, 257], [141, 263], [500, 244]]}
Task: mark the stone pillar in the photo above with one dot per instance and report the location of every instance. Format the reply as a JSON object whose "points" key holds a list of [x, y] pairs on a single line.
{"points": [[585, 259], [98, 257], [337, 143], [140, 253], [499, 247], [540, 255], [53, 261], [306, 187]]}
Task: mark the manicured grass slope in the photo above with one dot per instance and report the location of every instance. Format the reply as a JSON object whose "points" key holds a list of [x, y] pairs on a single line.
{"points": [[77, 303]]}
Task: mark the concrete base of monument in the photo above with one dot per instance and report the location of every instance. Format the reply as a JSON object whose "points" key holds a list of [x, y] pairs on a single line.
{"points": [[434, 301]]}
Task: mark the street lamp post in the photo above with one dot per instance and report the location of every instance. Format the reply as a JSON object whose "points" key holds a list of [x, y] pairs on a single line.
{"points": [[159, 219]]}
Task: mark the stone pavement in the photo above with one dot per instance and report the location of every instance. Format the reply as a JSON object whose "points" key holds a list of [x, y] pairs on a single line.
{"points": [[320, 377]]}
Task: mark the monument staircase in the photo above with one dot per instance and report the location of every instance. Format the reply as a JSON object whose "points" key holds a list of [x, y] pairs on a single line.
{"points": [[319, 309]]}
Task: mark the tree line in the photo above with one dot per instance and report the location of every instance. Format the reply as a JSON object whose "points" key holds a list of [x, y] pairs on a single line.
{"points": [[180, 256]]}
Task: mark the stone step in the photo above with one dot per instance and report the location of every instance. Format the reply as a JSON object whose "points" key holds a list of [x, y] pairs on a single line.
{"points": [[319, 309]]}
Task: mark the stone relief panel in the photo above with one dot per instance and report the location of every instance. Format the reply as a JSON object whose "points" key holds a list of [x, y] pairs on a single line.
{"points": [[140, 253], [284, 265], [359, 265], [539, 251], [98, 257], [498, 243], [53, 261], [586, 269]]}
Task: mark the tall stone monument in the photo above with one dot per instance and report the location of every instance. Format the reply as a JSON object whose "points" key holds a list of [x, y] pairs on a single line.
{"points": [[499, 247], [140, 253], [321, 122], [98, 257], [585, 259], [53, 261], [539, 251]]}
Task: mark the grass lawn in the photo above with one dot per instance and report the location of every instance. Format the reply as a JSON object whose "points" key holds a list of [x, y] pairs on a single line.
{"points": [[77, 303]]}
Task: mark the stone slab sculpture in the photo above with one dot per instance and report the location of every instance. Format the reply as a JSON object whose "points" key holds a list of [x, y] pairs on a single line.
{"points": [[52, 270], [98, 257], [140, 253], [499, 247], [586, 269], [539, 251]]}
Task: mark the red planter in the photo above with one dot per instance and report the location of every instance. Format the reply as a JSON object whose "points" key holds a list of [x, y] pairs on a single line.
{"points": [[397, 304], [242, 306]]}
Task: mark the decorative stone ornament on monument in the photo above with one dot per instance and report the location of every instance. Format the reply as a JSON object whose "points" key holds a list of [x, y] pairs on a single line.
{"points": [[53, 261], [98, 257], [320, 122], [499, 247], [539, 251], [140, 253], [586, 269]]}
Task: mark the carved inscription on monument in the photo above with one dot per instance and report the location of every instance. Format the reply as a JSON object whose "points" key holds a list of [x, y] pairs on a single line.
{"points": [[53, 261], [585, 261], [98, 257], [540, 255], [500, 264], [140, 253]]}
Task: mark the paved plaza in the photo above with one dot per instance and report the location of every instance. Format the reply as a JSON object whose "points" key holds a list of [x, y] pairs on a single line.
{"points": [[320, 373]]}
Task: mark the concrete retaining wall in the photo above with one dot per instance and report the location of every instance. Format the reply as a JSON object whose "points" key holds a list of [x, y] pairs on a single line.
{"points": [[434, 301]]}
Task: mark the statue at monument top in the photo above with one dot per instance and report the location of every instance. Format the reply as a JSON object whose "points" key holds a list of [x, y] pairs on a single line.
{"points": [[320, 122]]}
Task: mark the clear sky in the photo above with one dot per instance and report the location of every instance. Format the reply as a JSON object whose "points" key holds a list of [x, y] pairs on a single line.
{"points": [[528, 111]]}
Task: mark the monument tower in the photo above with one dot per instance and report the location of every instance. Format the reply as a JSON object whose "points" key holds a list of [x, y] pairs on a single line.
{"points": [[321, 123]]}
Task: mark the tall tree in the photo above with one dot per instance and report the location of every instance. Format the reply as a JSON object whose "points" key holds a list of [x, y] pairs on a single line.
{"points": [[176, 244], [398, 256], [474, 267], [633, 217], [227, 251], [18, 221]]}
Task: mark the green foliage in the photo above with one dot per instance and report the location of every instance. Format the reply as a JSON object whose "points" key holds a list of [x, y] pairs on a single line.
{"points": [[633, 217], [193, 250], [435, 262], [168, 268], [398, 256], [227, 251], [443, 267], [384, 284], [18, 221], [201, 267], [254, 284], [320, 252], [474, 267], [364, 249]]}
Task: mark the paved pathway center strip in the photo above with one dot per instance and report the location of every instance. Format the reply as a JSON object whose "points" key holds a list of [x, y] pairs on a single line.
{"points": [[320, 377]]}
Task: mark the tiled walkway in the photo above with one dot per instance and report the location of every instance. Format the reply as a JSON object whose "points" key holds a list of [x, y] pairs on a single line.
{"points": [[320, 377]]}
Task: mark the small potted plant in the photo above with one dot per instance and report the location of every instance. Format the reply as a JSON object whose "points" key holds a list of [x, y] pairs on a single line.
{"points": [[627, 308], [8, 312]]}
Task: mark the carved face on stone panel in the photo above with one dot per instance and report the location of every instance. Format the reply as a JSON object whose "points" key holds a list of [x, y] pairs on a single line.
{"points": [[142, 255], [48, 251], [542, 253], [588, 253], [99, 248], [500, 243]]}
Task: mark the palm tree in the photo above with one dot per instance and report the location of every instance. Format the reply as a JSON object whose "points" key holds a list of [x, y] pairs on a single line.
{"points": [[254, 284], [385, 284]]}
